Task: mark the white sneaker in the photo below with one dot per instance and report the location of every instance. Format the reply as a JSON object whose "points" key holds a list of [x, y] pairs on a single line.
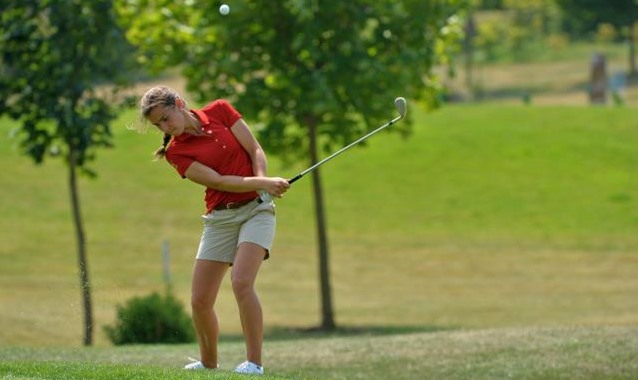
{"points": [[196, 365], [249, 368]]}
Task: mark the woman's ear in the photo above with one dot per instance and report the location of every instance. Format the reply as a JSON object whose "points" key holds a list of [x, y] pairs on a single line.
{"points": [[180, 103]]}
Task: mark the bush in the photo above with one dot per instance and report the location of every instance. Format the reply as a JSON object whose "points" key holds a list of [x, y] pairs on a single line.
{"points": [[151, 319]]}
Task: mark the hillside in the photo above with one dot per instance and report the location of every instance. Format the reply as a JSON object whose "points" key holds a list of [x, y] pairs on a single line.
{"points": [[488, 216]]}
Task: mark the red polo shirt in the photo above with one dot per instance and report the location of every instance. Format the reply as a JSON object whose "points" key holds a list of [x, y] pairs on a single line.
{"points": [[218, 149]]}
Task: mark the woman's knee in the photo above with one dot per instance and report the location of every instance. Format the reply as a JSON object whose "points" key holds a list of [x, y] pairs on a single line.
{"points": [[242, 285], [200, 302]]}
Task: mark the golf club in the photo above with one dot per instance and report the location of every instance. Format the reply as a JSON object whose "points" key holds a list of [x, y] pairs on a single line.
{"points": [[401, 106]]}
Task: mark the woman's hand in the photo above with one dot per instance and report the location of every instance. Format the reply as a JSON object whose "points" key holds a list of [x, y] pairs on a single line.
{"points": [[276, 186]]}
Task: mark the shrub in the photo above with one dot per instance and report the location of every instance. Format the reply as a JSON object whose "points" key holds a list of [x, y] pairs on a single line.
{"points": [[151, 319]]}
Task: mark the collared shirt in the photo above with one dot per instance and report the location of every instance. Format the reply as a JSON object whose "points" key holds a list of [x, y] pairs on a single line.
{"points": [[217, 148]]}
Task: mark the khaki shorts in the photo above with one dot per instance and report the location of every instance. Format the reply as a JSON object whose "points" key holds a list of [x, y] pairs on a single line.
{"points": [[224, 230]]}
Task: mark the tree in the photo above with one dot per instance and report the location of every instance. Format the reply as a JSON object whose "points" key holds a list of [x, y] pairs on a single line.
{"points": [[583, 17], [53, 53], [315, 74]]}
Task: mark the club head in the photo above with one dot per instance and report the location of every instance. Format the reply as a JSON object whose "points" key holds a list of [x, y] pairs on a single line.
{"points": [[401, 106]]}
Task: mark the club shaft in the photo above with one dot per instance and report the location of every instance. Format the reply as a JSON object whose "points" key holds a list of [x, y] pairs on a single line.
{"points": [[335, 154]]}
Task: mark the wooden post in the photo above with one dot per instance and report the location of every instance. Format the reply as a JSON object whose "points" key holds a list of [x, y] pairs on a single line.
{"points": [[598, 85], [166, 261]]}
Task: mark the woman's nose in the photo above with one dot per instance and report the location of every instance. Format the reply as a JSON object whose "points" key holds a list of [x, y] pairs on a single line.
{"points": [[163, 126]]}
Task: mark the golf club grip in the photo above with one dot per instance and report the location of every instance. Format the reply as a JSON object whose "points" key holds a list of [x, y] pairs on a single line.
{"points": [[290, 181]]}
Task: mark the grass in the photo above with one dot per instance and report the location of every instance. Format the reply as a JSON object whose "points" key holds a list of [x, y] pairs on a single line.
{"points": [[497, 242], [489, 216], [521, 353]]}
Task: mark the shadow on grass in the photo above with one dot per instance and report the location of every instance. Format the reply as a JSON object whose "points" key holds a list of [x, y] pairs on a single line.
{"points": [[281, 333]]}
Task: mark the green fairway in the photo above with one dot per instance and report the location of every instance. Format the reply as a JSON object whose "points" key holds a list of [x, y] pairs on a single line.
{"points": [[605, 353], [488, 216]]}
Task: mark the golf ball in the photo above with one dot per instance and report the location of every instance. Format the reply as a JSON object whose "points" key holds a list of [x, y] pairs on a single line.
{"points": [[224, 9]]}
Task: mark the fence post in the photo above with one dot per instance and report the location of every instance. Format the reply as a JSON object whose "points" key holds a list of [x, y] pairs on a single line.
{"points": [[598, 84]]}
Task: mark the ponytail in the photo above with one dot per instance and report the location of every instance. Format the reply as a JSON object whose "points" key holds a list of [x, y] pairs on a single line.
{"points": [[161, 152]]}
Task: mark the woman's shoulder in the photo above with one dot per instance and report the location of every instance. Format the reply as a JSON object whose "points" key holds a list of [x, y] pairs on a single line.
{"points": [[217, 105], [221, 109]]}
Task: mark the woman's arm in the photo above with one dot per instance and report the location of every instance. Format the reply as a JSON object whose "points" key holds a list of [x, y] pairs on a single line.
{"points": [[203, 175], [250, 144]]}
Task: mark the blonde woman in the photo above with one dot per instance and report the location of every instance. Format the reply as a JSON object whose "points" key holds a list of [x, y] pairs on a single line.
{"points": [[214, 147]]}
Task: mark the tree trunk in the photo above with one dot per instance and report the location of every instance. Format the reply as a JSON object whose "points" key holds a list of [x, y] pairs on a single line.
{"points": [[85, 284], [468, 51], [327, 316], [632, 56]]}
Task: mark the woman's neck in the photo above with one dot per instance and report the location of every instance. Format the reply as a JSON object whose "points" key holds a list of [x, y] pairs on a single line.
{"points": [[193, 126]]}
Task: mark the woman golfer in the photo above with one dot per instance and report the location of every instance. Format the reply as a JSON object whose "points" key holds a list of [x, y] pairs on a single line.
{"points": [[215, 148]]}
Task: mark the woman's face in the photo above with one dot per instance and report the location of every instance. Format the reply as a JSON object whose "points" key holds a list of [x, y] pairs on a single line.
{"points": [[168, 119]]}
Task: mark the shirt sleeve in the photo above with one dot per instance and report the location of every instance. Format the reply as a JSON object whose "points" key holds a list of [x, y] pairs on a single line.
{"points": [[179, 162], [226, 112]]}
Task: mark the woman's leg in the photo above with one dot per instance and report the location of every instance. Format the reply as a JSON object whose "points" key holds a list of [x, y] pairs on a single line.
{"points": [[207, 278], [247, 262]]}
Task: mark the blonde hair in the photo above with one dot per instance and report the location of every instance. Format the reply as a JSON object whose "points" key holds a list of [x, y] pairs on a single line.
{"points": [[159, 96]]}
